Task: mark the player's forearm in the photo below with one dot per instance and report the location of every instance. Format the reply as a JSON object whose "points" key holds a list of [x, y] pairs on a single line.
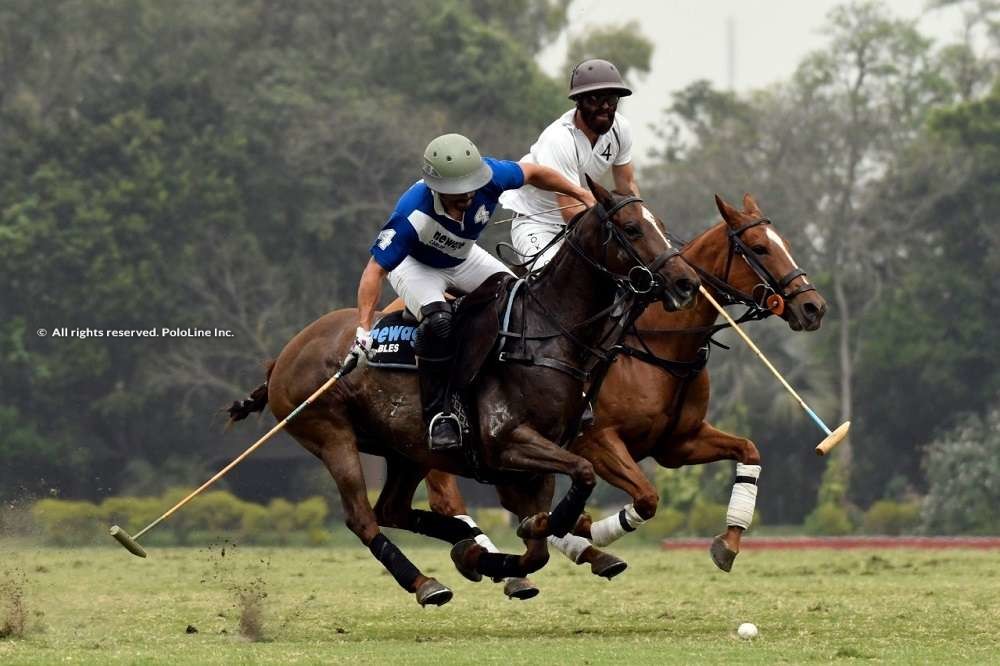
{"points": [[570, 207], [547, 178], [369, 292], [624, 177]]}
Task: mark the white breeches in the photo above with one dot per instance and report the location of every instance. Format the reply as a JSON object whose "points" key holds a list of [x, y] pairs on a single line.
{"points": [[419, 284], [529, 237]]}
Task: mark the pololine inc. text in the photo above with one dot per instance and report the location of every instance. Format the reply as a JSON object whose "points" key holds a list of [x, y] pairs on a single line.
{"points": [[164, 332]]}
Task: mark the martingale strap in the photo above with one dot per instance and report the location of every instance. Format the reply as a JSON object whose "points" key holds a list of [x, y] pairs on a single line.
{"points": [[679, 369]]}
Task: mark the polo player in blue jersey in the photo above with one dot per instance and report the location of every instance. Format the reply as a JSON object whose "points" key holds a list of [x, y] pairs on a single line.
{"points": [[428, 246]]}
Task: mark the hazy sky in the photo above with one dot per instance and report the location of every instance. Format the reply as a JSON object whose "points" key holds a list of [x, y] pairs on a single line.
{"points": [[771, 37]]}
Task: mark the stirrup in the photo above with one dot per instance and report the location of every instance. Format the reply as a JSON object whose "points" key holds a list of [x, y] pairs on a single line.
{"points": [[449, 438]]}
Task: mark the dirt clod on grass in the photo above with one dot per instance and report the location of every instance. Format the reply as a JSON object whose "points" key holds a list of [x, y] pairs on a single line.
{"points": [[250, 606], [13, 616]]}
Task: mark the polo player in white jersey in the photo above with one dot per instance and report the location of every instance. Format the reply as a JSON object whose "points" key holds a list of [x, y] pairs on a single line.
{"points": [[587, 140]]}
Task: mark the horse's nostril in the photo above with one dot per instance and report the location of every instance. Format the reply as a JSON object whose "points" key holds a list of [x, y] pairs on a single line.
{"points": [[686, 287], [810, 311]]}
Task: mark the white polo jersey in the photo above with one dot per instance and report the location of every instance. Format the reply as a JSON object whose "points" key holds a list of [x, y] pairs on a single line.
{"points": [[565, 148]]}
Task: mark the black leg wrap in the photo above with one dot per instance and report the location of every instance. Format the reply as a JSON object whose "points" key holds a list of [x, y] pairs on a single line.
{"points": [[393, 559], [563, 517], [499, 565], [442, 527]]}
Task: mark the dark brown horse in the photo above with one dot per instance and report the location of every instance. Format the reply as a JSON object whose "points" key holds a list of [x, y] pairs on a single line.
{"points": [[654, 400], [615, 261]]}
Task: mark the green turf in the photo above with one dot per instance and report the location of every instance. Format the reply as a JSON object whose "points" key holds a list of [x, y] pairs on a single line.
{"points": [[335, 605]]}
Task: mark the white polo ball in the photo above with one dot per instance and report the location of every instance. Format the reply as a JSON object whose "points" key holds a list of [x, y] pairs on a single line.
{"points": [[747, 630]]}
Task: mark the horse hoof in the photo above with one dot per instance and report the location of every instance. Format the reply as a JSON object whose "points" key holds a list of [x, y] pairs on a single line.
{"points": [[721, 555], [520, 588], [433, 593], [459, 553], [534, 527], [607, 565]]}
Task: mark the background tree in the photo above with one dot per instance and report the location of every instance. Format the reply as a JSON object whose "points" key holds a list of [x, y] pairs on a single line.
{"points": [[624, 45], [821, 153], [963, 466], [222, 165]]}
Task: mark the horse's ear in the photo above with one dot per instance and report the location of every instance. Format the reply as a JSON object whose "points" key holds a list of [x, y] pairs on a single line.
{"points": [[750, 205], [602, 195], [729, 214]]}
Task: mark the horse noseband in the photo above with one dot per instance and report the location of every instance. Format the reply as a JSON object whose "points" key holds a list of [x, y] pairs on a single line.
{"points": [[655, 285]]}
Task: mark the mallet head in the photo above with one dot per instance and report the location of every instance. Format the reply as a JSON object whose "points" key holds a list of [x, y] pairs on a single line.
{"points": [[131, 545], [833, 439]]}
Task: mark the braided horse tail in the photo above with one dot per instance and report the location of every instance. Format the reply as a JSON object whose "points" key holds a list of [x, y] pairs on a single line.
{"points": [[240, 409]]}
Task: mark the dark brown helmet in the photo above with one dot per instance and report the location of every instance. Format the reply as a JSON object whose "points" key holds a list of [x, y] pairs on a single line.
{"points": [[596, 74]]}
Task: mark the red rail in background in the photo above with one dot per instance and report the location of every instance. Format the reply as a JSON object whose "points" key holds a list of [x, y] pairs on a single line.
{"points": [[840, 543]]}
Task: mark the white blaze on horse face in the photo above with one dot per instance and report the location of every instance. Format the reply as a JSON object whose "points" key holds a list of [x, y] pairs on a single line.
{"points": [[649, 217], [776, 240]]}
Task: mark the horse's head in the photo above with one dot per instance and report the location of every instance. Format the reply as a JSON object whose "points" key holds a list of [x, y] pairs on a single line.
{"points": [[767, 272], [621, 237]]}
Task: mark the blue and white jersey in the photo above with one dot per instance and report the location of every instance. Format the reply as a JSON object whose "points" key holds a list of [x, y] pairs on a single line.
{"points": [[419, 227]]}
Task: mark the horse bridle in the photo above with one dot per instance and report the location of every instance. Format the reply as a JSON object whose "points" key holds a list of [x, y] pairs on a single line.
{"points": [[642, 279], [631, 298], [774, 294]]}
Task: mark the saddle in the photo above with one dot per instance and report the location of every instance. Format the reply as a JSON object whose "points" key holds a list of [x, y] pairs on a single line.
{"points": [[475, 331]]}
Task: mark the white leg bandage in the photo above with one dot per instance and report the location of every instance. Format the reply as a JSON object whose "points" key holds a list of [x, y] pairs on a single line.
{"points": [[570, 545], [744, 497], [481, 538], [610, 529]]}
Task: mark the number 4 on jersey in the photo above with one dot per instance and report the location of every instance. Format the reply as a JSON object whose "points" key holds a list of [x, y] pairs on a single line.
{"points": [[606, 153]]}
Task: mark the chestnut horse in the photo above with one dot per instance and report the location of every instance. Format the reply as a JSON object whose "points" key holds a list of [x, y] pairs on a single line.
{"points": [[649, 406], [616, 259]]}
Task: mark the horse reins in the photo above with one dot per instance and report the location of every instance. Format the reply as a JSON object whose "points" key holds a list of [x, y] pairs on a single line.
{"points": [[629, 287]]}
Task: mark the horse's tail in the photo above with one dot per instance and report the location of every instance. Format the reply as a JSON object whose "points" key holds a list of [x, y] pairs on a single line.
{"points": [[241, 409]]}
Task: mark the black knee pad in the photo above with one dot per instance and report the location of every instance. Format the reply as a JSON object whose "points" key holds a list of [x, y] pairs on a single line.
{"points": [[434, 331]]}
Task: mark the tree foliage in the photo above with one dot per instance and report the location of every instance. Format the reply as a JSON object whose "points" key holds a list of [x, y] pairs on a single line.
{"points": [[213, 165], [873, 161], [963, 473], [226, 164], [624, 45]]}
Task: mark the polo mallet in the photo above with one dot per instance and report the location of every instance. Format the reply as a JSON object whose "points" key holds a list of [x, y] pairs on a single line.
{"points": [[547, 210], [131, 543], [832, 437]]}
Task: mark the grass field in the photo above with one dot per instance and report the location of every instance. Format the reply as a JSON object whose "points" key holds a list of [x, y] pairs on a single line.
{"points": [[334, 605]]}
